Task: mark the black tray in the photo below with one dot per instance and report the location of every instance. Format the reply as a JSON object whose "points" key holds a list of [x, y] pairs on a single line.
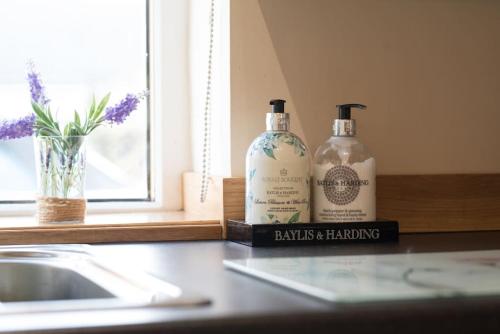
{"points": [[265, 235]]}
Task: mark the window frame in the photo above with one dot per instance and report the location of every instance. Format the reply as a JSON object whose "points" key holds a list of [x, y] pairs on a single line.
{"points": [[167, 24]]}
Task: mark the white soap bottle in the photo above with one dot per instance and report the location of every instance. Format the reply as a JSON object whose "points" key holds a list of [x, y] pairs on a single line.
{"points": [[277, 174], [344, 174]]}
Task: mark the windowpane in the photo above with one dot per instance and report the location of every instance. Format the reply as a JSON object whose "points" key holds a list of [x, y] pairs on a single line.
{"points": [[81, 48]]}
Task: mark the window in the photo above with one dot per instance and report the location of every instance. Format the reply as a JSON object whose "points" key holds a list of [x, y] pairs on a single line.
{"points": [[80, 47]]}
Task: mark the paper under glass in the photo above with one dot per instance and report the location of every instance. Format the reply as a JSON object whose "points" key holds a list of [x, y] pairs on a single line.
{"points": [[365, 278]]}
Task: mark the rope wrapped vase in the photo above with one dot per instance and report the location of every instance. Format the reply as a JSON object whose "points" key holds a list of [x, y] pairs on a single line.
{"points": [[61, 210], [61, 179]]}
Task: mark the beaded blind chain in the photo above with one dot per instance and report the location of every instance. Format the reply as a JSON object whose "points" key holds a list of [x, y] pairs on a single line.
{"points": [[207, 114]]}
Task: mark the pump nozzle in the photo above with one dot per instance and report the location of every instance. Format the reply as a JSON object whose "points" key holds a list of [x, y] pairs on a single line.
{"points": [[278, 106], [345, 109], [278, 119], [344, 126]]}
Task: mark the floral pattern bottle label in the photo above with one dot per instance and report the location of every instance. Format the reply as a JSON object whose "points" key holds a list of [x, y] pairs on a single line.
{"points": [[277, 180], [344, 193]]}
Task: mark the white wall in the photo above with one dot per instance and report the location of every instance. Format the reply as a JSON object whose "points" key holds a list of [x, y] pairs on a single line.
{"points": [[256, 78], [220, 102], [429, 72]]}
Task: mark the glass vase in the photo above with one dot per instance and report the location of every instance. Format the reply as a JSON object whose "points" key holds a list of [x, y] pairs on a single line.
{"points": [[61, 164]]}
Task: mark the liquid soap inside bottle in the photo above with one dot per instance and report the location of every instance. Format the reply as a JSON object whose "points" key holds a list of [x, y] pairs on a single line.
{"points": [[344, 176], [277, 174]]}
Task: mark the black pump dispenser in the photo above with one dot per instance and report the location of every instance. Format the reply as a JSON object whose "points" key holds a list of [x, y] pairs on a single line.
{"points": [[344, 126], [278, 106], [345, 109], [277, 119]]}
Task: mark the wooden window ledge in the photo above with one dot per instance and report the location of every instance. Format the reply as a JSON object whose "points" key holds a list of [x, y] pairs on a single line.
{"points": [[421, 203], [99, 228]]}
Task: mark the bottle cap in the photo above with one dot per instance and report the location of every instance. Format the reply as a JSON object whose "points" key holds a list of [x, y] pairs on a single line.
{"points": [[278, 119], [344, 126]]}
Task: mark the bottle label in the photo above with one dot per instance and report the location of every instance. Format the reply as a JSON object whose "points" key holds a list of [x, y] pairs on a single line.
{"points": [[277, 183], [344, 193]]}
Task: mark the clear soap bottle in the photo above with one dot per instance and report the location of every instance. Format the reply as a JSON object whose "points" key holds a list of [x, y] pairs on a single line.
{"points": [[277, 173], [344, 174]]}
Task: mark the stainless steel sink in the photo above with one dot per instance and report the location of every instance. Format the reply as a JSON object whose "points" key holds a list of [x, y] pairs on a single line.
{"points": [[24, 281], [68, 277]]}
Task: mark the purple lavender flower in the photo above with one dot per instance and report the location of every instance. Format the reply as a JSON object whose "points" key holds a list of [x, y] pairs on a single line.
{"points": [[119, 112], [22, 127], [36, 87]]}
